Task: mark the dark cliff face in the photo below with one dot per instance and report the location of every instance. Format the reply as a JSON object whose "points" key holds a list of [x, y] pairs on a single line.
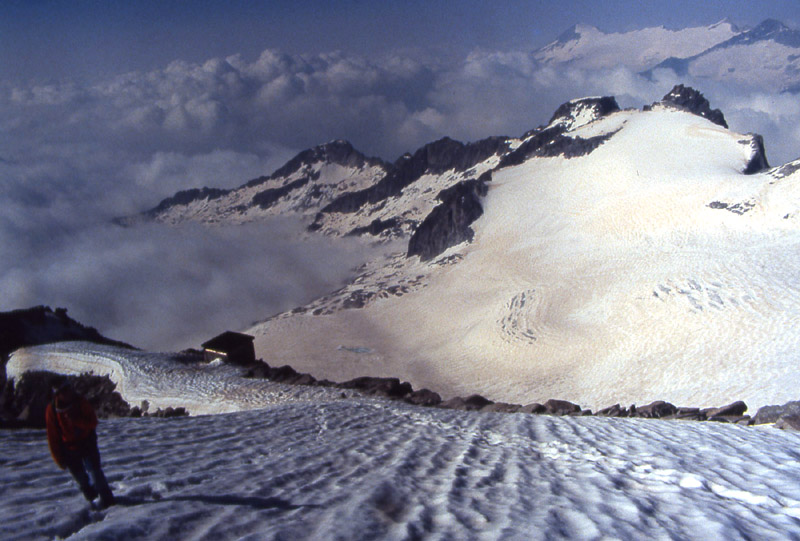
{"points": [[758, 160], [449, 223], [689, 99]]}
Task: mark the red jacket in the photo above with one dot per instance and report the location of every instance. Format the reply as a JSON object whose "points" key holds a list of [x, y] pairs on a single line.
{"points": [[68, 428]]}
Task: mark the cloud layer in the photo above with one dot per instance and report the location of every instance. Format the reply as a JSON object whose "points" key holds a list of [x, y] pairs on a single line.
{"points": [[75, 155]]}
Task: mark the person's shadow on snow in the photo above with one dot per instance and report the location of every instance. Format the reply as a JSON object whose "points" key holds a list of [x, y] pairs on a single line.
{"points": [[255, 502]]}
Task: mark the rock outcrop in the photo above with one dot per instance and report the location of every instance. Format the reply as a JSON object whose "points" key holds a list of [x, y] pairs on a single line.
{"points": [[689, 99], [24, 401], [771, 414], [449, 223]]}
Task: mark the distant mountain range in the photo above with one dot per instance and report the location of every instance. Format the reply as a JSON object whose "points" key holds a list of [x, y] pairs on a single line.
{"points": [[766, 56]]}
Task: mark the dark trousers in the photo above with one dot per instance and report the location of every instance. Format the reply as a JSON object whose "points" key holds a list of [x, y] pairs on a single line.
{"points": [[84, 465]]}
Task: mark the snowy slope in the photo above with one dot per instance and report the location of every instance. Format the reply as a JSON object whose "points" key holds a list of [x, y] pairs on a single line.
{"points": [[767, 57], [370, 470], [651, 268], [585, 46], [203, 388]]}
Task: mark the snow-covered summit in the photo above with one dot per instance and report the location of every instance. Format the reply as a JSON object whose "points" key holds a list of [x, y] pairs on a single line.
{"points": [[766, 56], [585, 46]]}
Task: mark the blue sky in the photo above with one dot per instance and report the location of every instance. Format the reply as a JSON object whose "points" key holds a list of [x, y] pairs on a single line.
{"points": [[46, 40]]}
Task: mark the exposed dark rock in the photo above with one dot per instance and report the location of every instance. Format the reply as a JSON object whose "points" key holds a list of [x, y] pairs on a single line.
{"points": [[788, 422], [735, 409], [533, 407], [471, 403], [736, 208], [170, 412], [613, 411], [549, 143], [269, 197], [561, 407], [689, 99], [283, 374], [388, 387], [423, 397], [376, 227], [601, 107], [758, 158], [449, 223], [501, 407], [786, 169], [685, 416], [770, 414], [656, 410], [24, 401], [358, 299]]}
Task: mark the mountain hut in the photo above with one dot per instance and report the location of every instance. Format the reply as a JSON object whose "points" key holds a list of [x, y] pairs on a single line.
{"points": [[231, 347]]}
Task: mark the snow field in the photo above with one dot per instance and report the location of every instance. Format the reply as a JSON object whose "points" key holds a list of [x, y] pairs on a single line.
{"points": [[202, 389], [360, 469], [600, 279]]}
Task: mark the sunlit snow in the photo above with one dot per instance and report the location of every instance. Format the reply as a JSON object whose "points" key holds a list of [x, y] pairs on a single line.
{"points": [[650, 269]]}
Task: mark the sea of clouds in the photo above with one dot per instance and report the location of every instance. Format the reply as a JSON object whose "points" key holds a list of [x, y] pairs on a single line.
{"points": [[74, 155]]}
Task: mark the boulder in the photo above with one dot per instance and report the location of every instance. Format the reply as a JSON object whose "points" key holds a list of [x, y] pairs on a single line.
{"points": [[788, 422], [386, 387], [656, 410], [502, 407], [613, 411], [561, 407], [423, 397], [533, 407], [770, 414], [736, 409], [471, 403]]}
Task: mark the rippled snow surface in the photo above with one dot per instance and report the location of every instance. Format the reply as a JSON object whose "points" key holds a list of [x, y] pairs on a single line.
{"points": [[361, 469]]}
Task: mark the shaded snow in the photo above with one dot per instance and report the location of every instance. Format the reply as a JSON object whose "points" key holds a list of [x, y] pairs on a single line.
{"points": [[362, 469]]}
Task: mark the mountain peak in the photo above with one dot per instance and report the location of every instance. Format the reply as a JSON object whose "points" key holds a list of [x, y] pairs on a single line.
{"points": [[338, 151], [575, 113], [686, 97]]}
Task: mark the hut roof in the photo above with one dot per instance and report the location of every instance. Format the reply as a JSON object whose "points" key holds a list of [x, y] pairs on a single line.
{"points": [[228, 341]]}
